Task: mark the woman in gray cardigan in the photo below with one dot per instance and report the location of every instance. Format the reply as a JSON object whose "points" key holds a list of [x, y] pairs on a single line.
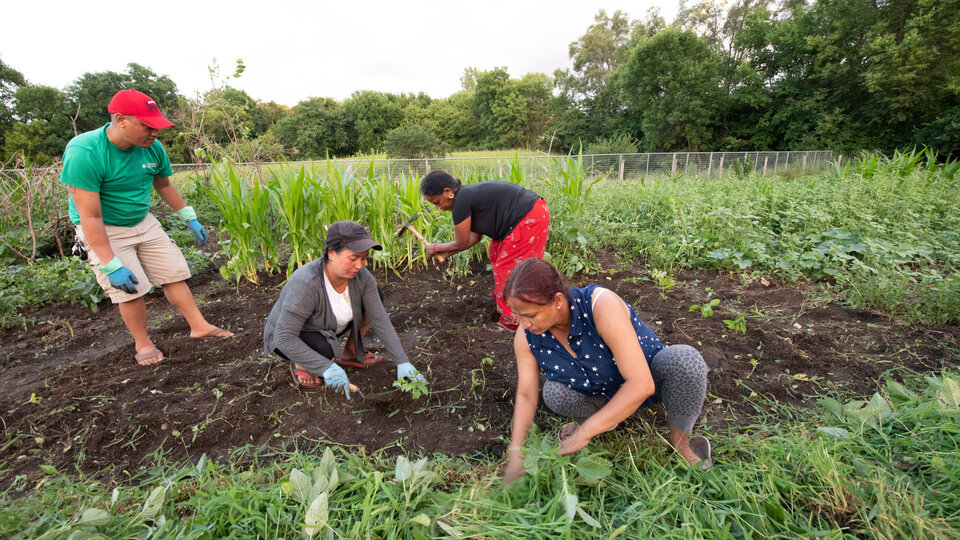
{"points": [[325, 300]]}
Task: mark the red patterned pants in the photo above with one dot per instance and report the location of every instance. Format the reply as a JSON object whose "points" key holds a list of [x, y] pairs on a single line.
{"points": [[526, 241]]}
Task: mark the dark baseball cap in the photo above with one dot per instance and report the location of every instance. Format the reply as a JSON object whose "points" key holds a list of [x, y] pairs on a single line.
{"points": [[350, 235]]}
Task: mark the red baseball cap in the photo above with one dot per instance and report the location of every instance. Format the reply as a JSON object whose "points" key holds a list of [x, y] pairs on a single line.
{"points": [[136, 103]]}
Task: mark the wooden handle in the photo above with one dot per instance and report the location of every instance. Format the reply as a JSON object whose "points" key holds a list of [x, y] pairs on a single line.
{"points": [[426, 245]]}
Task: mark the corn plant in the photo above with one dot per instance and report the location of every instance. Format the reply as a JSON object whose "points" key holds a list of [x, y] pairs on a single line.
{"points": [[296, 201], [342, 195], [245, 206], [381, 205]]}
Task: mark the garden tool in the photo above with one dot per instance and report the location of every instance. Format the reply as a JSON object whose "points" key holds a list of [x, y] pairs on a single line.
{"points": [[407, 225]]}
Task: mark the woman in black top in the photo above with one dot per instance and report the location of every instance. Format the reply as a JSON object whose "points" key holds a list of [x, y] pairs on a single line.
{"points": [[516, 219]]}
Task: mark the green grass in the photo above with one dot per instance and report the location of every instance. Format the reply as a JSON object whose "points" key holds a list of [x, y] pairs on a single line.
{"points": [[885, 241], [886, 468]]}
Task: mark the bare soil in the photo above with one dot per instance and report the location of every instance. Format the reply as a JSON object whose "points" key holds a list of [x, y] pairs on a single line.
{"points": [[71, 395]]}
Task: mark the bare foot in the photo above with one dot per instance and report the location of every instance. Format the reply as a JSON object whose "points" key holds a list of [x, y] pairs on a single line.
{"points": [[680, 441], [210, 331]]}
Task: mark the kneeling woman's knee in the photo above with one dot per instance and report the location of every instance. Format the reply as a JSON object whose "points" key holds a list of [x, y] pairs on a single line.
{"points": [[565, 401], [680, 361]]}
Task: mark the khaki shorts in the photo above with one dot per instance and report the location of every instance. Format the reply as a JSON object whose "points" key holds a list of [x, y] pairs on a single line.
{"points": [[146, 251]]}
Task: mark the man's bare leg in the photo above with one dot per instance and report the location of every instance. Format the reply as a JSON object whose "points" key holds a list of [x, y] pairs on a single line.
{"points": [[134, 315], [179, 295]]}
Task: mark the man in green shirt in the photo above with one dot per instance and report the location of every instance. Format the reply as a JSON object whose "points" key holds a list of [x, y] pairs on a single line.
{"points": [[109, 173]]}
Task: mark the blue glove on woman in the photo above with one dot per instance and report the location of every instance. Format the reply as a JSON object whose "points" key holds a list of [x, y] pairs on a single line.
{"points": [[335, 376], [407, 370]]}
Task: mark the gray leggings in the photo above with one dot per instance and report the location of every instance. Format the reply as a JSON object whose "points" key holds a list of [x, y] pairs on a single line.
{"points": [[680, 376]]}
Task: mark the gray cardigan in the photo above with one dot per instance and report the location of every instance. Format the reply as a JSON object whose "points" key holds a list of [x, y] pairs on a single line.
{"points": [[303, 305]]}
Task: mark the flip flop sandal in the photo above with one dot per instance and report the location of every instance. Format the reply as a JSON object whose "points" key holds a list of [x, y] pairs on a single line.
{"points": [[155, 353], [701, 447], [296, 373], [216, 331], [498, 327], [369, 359], [566, 430]]}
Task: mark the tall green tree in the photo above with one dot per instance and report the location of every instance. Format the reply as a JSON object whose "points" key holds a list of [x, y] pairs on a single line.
{"points": [[374, 115], [10, 79], [511, 113], [454, 121], [671, 91], [853, 74], [584, 108], [317, 127], [43, 123]]}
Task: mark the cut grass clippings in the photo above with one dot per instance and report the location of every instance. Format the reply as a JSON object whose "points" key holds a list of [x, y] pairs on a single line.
{"points": [[885, 468]]}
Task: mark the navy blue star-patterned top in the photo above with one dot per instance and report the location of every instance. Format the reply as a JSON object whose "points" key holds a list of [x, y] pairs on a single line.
{"points": [[594, 370]]}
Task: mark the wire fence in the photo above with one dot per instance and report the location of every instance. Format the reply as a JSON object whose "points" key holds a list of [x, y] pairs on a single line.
{"points": [[611, 166]]}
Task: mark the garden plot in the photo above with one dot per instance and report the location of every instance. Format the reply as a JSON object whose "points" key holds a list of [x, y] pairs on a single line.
{"points": [[71, 395]]}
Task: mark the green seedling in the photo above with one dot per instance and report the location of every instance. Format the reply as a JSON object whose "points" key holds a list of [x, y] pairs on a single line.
{"points": [[412, 387], [664, 282], [706, 309], [739, 324]]}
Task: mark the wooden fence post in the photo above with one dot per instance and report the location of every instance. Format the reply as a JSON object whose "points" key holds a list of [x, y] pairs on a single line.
{"points": [[427, 162], [766, 159], [720, 169], [500, 169], [673, 169], [621, 167], [710, 166], [803, 164]]}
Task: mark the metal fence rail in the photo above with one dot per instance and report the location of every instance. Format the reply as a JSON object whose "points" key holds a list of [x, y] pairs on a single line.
{"points": [[619, 166]]}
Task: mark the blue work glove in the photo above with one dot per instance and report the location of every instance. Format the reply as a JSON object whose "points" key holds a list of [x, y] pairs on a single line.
{"points": [[335, 376], [199, 233], [119, 276], [123, 279], [190, 217], [407, 370]]}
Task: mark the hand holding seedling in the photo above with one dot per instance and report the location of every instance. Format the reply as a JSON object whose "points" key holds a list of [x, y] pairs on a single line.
{"points": [[577, 440], [514, 468], [406, 370]]}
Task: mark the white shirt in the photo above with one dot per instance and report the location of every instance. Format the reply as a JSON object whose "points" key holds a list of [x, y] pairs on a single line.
{"points": [[340, 303]]}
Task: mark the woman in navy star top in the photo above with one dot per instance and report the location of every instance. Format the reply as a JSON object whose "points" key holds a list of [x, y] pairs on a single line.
{"points": [[601, 364]]}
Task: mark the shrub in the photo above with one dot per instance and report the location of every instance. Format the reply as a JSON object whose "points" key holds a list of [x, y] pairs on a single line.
{"points": [[619, 144], [413, 141]]}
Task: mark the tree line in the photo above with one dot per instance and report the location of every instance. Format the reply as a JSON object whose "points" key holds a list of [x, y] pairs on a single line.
{"points": [[844, 75]]}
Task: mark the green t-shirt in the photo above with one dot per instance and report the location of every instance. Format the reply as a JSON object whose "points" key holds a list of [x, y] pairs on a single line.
{"points": [[123, 178]]}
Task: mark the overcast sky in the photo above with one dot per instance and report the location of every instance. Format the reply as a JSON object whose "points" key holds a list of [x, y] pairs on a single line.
{"points": [[298, 49]]}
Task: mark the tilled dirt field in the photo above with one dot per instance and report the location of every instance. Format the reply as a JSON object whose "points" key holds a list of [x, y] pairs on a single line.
{"points": [[71, 395]]}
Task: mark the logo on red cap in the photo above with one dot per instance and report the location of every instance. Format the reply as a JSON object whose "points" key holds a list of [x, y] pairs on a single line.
{"points": [[140, 105]]}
